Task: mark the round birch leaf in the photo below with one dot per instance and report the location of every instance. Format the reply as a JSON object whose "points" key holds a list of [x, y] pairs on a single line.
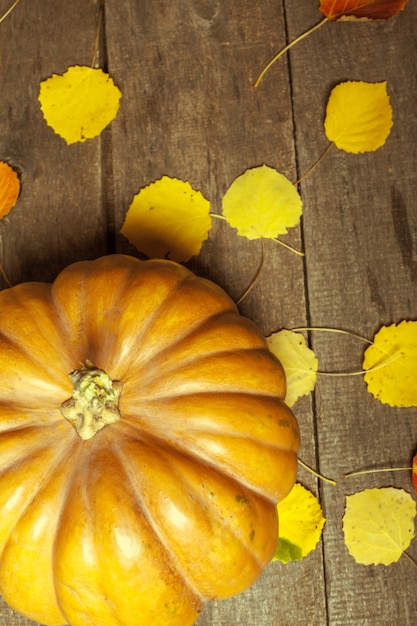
{"points": [[358, 116], [80, 103], [168, 219], [298, 360], [301, 523], [262, 203], [392, 364], [378, 525]]}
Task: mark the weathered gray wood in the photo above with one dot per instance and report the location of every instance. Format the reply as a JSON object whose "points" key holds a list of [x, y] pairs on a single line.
{"points": [[59, 217], [189, 111], [360, 230]]}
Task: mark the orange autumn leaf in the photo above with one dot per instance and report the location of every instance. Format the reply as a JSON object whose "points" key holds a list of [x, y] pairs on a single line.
{"points": [[371, 9], [9, 188], [414, 474]]}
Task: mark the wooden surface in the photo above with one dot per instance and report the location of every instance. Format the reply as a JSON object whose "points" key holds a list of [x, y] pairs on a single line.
{"points": [[188, 110]]}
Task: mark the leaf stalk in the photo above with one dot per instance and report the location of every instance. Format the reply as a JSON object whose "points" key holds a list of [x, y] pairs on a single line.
{"points": [[9, 10], [288, 47], [316, 474]]}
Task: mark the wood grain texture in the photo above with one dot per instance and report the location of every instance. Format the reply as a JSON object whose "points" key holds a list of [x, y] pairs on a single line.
{"points": [[189, 111], [59, 216], [360, 229]]}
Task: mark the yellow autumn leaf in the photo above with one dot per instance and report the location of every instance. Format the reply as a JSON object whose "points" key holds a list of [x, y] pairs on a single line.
{"points": [[261, 202], [80, 103], [298, 360], [392, 364], [358, 116], [168, 218], [378, 525], [9, 188], [301, 523]]}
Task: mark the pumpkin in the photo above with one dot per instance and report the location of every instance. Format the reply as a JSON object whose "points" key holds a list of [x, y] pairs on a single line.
{"points": [[144, 445]]}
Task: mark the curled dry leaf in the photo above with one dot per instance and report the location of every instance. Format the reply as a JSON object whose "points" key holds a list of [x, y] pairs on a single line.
{"points": [[379, 525], [168, 219], [371, 9], [358, 116], [9, 188], [79, 104], [301, 523], [298, 360], [392, 364], [261, 202]]}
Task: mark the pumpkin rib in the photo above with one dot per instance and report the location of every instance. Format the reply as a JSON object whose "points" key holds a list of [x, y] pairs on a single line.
{"points": [[199, 454], [90, 591], [142, 416], [206, 339], [37, 316], [156, 530], [34, 532], [249, 371], [84, 279], [79, 285], [186, 339], [78, 484], [164, 381], [156, 521], [13, 359], [31, 438], [182, 331], [58, 481], [229, 470], [15, 417]]}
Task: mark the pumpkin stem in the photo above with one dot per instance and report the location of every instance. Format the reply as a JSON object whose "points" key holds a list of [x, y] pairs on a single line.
{"points": [[94, 401]]}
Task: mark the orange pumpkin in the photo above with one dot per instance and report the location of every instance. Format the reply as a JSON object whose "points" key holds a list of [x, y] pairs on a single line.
{"points": [[144, 445]]}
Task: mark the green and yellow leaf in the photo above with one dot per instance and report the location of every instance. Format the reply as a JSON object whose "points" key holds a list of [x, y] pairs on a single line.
{"points": [[301, 523]]}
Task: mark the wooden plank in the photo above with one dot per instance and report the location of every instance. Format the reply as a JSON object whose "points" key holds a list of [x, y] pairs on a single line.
{"points": [[189, 111], [60, 215], [360, 232]]}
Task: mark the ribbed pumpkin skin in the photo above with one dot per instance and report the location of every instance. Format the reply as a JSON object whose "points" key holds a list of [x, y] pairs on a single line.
{"points": [[173, 504]]}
